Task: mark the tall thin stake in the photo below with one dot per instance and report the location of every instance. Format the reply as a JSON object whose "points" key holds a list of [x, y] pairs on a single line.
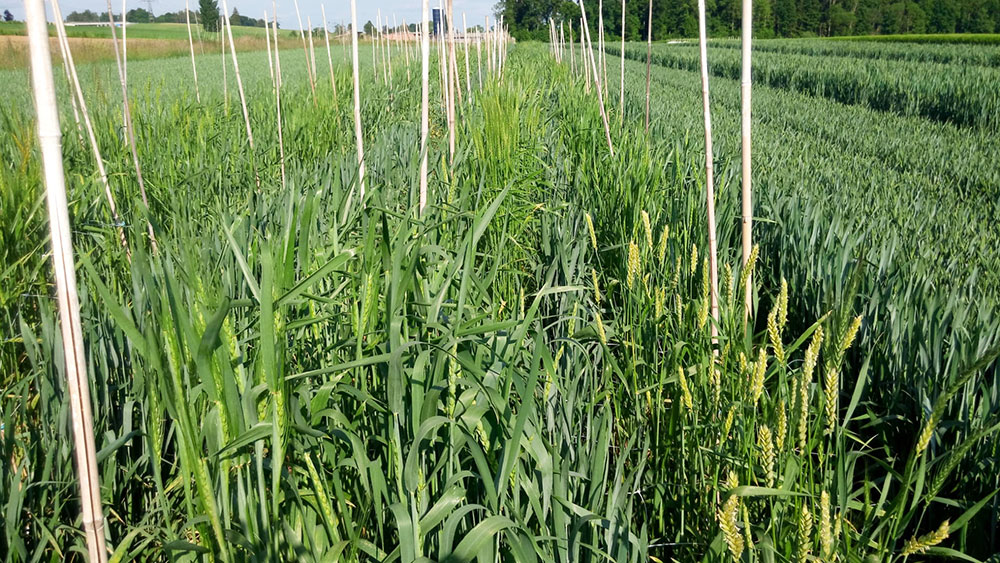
{"points": [[329, 57], [130, 130], [124, 39], [425, 54], [312, 47], [479, 57], [603, 61], [277, 92], [50, 144], [465, 40], [709, 170], [194, 67], [225, 80], [236, 67], [747, 203], [450, 39], [597, 79], [649, 57], [357, 101], [572, 48], [78, 93], [621, 55], [267, 38], [305, 51]]}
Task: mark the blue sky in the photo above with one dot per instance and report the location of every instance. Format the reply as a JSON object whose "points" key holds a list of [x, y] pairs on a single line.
{"points": [[336, 10]]}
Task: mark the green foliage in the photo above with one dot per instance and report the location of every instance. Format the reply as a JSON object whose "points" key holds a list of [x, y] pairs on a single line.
{"points": [[208, 12], [524, 370], [528, 19]]}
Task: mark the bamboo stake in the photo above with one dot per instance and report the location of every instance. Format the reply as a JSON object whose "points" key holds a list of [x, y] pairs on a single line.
{"points": [[456, 82], [124, 40], [312, 47], [400, 44], [305, 51], [130, 130], [709, 169], [479, 58], [489, 50], [387, 45], [375, 54], [225, 81], [562, 40], [63, 45], [197, 29], [597, 79], [277, 92], [49, 139], [747, 202], [649, 57], [449, 24], [621, 55], [329, 58], [357, 101], [381, 46], [555, 40], [425, 53], [78, 93], [236, 67], [600, 45], [572, 48], [586, 61], [443, 60], [468, 71], [388, 50], [267, 38], [194, 67]]}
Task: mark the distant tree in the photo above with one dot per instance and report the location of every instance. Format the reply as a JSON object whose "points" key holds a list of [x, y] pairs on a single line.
{"points": [[841, 21], [763, 19], [209, 12], [138, 15], [369, 28], [85, 16], [7, 16]]}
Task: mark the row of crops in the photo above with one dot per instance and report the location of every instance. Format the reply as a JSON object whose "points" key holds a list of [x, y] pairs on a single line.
{"points": [[523, 370], [982, 55], [894, 213], [959, 93]]}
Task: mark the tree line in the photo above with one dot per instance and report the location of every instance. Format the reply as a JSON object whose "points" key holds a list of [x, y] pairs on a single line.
{"points": [[528, 19], [207, 15]]}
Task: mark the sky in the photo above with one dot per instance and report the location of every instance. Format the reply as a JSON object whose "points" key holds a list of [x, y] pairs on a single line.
{"points": [[337, 11]]}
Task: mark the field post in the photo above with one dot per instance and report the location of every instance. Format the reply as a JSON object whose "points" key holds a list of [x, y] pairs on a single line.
{"points": [[329, 57], [194, 67], [130, 130], [236, 66], [747, 202], [50, 146], [649, 57], [267, 39], [78, 93], [305, 50], [425, 54], [124, 39], [597, 78], [709, 173], [357, 101], [468, 69], [277, 92], [621, 55]]}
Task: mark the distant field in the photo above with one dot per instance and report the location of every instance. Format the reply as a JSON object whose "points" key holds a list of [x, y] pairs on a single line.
{"points": [[145, 41], [968, 38], [140, 31]]}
